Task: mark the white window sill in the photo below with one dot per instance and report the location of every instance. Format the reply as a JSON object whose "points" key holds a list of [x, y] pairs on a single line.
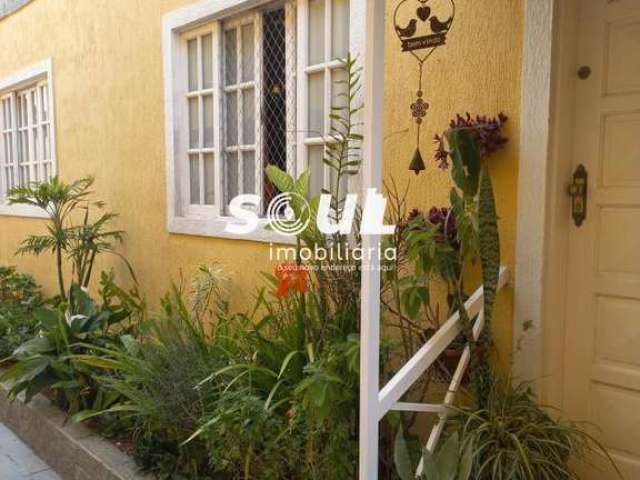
{"points": [[215, 227], [22, 211]]}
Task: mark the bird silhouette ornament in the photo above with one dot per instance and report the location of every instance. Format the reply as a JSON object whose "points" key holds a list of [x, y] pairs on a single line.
{"points": [[422, 28]]}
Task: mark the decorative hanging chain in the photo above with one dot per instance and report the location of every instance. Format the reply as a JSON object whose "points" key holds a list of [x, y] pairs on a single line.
{"points": [[420, 30]]}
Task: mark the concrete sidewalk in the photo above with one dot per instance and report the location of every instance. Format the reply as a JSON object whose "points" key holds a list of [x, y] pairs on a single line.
{"points": [[18, 462]]}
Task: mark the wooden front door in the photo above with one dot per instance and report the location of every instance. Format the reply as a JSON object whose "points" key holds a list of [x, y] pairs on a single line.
{"points": [[602, 348]]}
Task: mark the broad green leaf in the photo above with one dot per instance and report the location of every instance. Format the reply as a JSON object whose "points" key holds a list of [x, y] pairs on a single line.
{"points": [[48, 318], [34, 386], [33, 347], [281, 179], [465, 160], [448, 457], [429, 466], [130, 344], [401, 457], [302, 183]]}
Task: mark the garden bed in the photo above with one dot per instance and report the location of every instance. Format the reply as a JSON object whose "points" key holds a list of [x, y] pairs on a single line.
{"points": [[72, 450]]}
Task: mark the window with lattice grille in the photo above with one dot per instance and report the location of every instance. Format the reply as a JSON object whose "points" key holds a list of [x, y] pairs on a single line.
{"points": [[249, 88], [26, 130]]}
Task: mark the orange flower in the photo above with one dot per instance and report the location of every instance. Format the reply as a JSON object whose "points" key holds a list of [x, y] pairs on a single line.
{"points": [[291, 276]]}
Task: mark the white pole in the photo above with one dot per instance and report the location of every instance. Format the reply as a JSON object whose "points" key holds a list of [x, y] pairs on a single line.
{"points": [[370, 288]]}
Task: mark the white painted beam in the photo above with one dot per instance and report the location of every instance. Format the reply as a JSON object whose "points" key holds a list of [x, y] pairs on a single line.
{"points": [[419, 407], [370, 288], [430, 351]]}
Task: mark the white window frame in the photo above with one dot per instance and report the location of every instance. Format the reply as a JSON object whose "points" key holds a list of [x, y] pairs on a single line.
{"points": [[211, 221], [242, 147], [202, 210], [27, 80]]}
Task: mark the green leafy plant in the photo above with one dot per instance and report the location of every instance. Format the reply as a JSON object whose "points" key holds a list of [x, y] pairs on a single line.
{"points": [[452, 461], [513, 437], [47, 360], [158, 377], [297, 369], [444, 242], [19, 297], [437, 252], [338, 276], [80, 243], [269, 394]]}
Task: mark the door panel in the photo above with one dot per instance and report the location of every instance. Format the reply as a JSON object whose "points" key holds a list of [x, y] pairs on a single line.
{"points": [[602, 354]]}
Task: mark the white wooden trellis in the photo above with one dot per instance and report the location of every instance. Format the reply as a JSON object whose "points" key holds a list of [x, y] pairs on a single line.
{"points": [[376, 403]]}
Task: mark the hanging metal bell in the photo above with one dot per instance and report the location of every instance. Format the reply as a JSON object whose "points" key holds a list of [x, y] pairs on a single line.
{"points": [[417, 164]]}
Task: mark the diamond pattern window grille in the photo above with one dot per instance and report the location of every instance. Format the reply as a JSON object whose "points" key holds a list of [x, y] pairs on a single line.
{"points": [[274, 95]]}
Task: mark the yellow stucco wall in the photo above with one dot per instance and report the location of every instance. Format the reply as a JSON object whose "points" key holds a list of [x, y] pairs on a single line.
{"points": [[478, 71], [108, 88]]}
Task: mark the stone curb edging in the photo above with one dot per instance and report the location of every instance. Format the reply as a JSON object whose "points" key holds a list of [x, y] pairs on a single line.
{"points": [[72, 450]]}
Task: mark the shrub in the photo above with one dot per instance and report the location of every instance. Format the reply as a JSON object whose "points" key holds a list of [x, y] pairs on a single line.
{"points": [[158, 379], [77, 327], [19, 297]]}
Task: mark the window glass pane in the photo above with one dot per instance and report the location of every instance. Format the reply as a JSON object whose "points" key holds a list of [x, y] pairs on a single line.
{"points": [[340, 27], [11, 181], [248, 172], [25, 178], [8, 145], [230, 56], [209, 179], [192, 47], [248, 117], [34, 108], [248, 52], [44, 99], [207, 61], [316, 104], [194, 134], [25, 111], [339, 91], [231, 173], [316, 32], [21, 111], [232, 119], [23, 150], [46, 140], [207, 120], [316, 168], [36, 145], [194, 179]]}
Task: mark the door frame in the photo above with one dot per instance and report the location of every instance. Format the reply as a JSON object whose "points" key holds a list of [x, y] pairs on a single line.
{"points": [[549, 63]]}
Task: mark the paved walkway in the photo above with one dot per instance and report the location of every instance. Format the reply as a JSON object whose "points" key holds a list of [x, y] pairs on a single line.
{"points": [[19, 462]]}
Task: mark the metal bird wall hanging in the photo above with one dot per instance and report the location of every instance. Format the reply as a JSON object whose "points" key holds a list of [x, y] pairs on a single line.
{"points": [[422, 26]]}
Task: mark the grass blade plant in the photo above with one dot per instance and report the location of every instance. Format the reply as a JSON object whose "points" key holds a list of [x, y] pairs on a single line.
{"points": [[514, 438]]}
